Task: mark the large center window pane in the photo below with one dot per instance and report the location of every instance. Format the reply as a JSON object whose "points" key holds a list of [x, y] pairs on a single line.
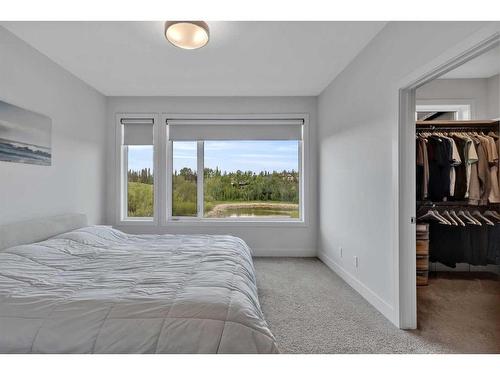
{"points": [[140, 181], [184, 179], [251, 179]]}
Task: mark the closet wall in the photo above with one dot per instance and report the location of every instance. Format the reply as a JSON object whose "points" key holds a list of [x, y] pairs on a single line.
{"points": [[481, 93], [493, 89], [358, 155]]}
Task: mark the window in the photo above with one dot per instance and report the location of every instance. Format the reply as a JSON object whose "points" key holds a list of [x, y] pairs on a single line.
{"points": [[184, 179], [436, 115], [137, 169], [251, 179], [251, 169], [140, 181], [428, 110], [214, 170]]}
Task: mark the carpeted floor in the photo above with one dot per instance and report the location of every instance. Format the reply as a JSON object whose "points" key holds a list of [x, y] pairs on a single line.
{"points": [[312, 310], [461, 310]]}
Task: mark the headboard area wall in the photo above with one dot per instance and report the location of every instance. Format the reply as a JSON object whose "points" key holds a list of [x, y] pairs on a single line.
{"points": [[74, 179], [25, 232]]}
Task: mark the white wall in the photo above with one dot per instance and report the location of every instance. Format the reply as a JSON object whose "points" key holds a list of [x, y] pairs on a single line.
{"points": [[480, 92], [75, 181], [358, 153], [493, 89], [271, 239]]}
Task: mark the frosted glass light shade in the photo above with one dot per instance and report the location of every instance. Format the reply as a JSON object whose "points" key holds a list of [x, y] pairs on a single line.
{"points": [[187, 34]]}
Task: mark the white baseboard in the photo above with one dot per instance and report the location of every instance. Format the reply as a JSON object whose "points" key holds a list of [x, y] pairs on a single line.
{"points": [[307, 253], [386, 309]]}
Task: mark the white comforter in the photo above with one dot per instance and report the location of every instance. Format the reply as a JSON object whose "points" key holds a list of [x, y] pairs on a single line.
{"points": [[99, 290]]}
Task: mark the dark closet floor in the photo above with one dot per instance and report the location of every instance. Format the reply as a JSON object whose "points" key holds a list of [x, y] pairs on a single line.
{"points": [[461, 311]]}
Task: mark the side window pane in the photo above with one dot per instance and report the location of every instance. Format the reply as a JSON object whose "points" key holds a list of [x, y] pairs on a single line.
{"points": [[184, 192], [140, 188], [251, 179]]}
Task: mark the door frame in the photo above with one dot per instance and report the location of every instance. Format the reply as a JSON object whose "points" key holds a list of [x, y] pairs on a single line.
{"points": [[406, 291]]}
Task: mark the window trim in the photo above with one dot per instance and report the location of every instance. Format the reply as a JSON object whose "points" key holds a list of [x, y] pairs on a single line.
{"points": [[162, 152], [121, 217], [464, 108], [200, 220]]}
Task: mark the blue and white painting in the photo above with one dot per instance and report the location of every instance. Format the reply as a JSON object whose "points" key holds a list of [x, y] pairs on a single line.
{"points": [[25, 136]]}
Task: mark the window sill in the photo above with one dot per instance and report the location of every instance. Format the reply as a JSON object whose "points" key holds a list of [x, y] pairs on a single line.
{"points": [[234, 223], [138, 222], [211, 223]]}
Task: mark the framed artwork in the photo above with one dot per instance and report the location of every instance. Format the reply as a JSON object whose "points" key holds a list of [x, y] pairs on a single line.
{"points": [[25, 136]]}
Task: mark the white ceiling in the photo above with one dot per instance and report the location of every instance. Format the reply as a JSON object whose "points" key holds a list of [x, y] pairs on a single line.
{"points": [[242, 58], [483, 66]]}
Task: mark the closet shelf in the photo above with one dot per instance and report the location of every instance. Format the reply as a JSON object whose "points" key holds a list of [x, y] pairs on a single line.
{"points": [[459, 122], [451, 123], [454, 203]]}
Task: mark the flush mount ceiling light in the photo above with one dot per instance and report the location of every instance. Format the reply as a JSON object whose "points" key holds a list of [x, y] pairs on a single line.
{"points": [[187, 34]]}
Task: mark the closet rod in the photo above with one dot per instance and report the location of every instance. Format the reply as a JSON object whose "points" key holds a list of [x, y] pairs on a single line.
{"points": [[483, 125], [440, 123], [458, 129], [453, 204]]}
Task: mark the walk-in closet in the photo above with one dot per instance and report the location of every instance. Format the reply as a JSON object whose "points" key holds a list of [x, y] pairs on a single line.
{"points": [[458, 208]]}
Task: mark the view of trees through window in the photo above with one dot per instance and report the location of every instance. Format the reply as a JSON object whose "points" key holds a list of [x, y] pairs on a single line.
{"points": [[184, 179], [140, 188], [240, 179]]}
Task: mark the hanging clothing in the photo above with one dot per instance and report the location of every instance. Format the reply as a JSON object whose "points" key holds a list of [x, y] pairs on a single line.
{"points": [[494, 195], [422, 169], [471, 167], [440, 154], [458, 166], [462, 167], [426, 168], [461, 183], [498, 165], [447, 244], [478, 245], [419, 170], [493, 252], [486, 188], [483, 171], [455, 161]]}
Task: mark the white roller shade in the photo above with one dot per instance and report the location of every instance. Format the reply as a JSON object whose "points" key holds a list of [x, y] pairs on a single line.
{"points": [[137, 131], [227, 129]]}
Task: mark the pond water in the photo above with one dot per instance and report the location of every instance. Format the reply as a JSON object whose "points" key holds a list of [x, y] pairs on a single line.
{"points": [[259, 211]]}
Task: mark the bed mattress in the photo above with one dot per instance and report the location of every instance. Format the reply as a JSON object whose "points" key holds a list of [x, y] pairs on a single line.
{"points": [[99, 290]]}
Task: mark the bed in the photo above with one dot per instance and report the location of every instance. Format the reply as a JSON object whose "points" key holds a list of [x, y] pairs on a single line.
{"points": [[95, 289]]}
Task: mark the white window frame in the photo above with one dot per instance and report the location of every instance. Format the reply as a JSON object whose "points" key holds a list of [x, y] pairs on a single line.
{"points": [[122, 167], [200, 219], [462, 107]]}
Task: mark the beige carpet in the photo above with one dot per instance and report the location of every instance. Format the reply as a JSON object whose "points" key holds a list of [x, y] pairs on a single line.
{"points": [[461, 311], [311, 310]]}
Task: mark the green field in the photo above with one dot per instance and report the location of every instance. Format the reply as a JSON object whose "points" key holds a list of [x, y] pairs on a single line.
{"points": [[140, 199]]}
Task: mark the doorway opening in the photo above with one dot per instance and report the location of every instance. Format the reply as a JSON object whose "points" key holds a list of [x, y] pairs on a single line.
{"points": [[447, 110]]}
